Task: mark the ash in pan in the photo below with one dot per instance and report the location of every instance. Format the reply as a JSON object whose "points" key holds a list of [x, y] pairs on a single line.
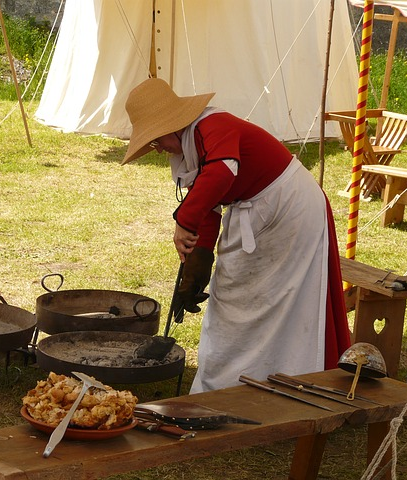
{"points": [[127, 361], [120, 354]]}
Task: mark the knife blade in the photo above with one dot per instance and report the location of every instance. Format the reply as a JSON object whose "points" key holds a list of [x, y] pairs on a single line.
{"points": [[325, 389], [190, 414], [257, 383], [302, 388]]}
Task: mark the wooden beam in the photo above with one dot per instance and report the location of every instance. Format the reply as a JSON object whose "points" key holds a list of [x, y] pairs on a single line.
{"points": [[13, 74]]}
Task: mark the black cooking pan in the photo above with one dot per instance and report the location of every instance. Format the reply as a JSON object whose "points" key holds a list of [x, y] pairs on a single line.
{"points": [[95, 310], [105, 356], [16, 327]]}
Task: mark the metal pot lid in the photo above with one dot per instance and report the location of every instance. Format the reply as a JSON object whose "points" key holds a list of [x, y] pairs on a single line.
{"points": [[373, 363]]}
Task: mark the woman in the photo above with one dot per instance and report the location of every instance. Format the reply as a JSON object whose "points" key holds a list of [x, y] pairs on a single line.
{"points": [[276, 300]]}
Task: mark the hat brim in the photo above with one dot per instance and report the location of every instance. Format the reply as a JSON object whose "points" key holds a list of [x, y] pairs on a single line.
{"points": [[188, 109]]}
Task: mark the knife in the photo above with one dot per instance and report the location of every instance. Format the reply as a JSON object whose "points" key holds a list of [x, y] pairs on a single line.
{"points": [[256, 383], [189, 415], [302, 388], [157, 426], [325, 389]]}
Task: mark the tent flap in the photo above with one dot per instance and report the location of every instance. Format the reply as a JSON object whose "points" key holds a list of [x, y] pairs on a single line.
{"points": [[264, 62]]}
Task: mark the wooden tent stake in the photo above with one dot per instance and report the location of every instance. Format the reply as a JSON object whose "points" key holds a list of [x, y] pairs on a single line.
{"points": [[323, 99], [13, 73]]}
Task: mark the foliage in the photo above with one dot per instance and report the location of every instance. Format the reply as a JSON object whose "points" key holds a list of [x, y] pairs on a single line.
{"points": [[397, 98], [67, 206], [30, 49]]}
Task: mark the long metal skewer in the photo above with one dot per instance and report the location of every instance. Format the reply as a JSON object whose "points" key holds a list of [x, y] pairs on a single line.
{"points": [[303, 388], [256, 383], [325, 389]]}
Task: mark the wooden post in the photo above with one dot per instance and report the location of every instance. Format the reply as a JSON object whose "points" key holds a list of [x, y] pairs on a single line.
{"points": [[13, 73], [172, 52], [396, 18], [323, 99]]}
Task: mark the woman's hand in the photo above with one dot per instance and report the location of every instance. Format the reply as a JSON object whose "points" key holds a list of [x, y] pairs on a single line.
{"points": [[184, 241]]}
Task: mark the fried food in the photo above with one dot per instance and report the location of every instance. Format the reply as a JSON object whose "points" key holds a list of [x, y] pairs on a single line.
{"points": [[51, 399]]}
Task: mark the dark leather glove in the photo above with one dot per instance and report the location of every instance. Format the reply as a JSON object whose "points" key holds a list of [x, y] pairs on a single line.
{"points": [[195, 278]]}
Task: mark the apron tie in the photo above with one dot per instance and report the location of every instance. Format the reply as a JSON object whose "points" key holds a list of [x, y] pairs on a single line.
{"points": [[248, 242]]}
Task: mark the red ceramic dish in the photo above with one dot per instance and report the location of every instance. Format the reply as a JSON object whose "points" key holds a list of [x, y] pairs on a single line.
{"points": [[78, 433]]}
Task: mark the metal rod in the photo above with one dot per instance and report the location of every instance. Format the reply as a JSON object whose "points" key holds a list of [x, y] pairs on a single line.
{"points": [[256, 383], [302, 388], [174, 295], [326, 389]]}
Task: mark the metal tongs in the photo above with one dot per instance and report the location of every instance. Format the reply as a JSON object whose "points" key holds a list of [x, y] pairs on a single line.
{"points": [[59, 432]]}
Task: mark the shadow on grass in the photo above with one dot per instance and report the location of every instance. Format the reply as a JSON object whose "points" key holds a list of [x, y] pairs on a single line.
{"points": [[116, 153]]}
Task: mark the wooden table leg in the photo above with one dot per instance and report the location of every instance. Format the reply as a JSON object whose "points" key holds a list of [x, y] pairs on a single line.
{"points": [[376, 435], [371, 306], [394, 186], [307, 457]]}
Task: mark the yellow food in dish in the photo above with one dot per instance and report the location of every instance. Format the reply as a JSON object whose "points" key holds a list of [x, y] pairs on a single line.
{"points": [[51, 399]]}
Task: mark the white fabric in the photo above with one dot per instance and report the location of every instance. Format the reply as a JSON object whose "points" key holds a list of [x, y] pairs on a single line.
{"points": [[239, 49], [274, 320], [185, 166]]}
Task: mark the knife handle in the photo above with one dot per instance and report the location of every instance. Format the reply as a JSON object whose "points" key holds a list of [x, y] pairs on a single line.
{"points": [[166, 429], [255, 383]]}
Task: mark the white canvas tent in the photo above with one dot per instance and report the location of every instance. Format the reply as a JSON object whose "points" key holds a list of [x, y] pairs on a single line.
{"points": [[265, 60]]}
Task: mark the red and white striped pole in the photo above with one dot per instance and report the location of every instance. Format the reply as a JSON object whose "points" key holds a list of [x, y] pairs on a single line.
{"points": [[360, 128]]}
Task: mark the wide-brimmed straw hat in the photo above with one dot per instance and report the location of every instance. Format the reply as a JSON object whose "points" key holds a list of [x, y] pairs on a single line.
{"points": [[155, 110]]}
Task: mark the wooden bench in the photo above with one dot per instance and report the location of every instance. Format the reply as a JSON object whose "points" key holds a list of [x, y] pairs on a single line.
{"points": [[395, 191], [376, 303], [380, 149], [281, 419]]}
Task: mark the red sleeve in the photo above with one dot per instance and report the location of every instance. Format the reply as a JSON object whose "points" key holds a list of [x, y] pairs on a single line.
{"points": [[209, 230], [206, 194]]}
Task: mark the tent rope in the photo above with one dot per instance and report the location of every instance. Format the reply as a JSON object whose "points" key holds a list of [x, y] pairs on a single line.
{"points": [[386, 207], [289, 110], [188, 46], [132, 35], [349, 45], [278, 68], [389, 441]]}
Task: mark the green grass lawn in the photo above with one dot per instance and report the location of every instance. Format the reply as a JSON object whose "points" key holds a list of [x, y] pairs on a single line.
{"points": [[67, 206]]}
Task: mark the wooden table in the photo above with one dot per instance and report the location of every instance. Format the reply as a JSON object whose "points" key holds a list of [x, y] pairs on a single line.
{"points": [[21, 446], [373, 299], [396, 184]]}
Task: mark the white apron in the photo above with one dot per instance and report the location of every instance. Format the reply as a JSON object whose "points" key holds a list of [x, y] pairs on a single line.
{"points": [[266, 311]]}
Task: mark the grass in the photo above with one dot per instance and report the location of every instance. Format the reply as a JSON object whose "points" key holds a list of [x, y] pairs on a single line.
{"points": [[67, 206]]}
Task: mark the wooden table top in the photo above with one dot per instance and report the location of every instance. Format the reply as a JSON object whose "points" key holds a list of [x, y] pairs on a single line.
{"points": [[369, 277], [22, 446]]}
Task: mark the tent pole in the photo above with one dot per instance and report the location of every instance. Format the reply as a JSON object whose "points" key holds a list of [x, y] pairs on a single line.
{"points": [[360, 129], [323, 99], [395, 20], [13, 74], [172, 51]]}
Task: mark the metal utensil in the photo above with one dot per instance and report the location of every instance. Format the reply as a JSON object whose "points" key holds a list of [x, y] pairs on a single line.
{"points": [[303, 388], [257, 383], [190, 415], [364, 360], [157, 347], [326, 389], [59, 432]]}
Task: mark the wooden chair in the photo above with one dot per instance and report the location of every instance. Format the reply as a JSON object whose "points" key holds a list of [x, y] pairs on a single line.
{"points": [[380, 149]]}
